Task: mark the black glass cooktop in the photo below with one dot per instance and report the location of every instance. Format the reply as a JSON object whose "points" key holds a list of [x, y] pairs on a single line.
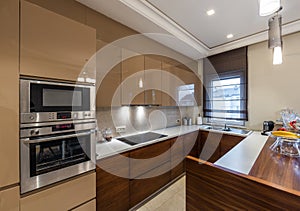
{"points": [[141, 138]]}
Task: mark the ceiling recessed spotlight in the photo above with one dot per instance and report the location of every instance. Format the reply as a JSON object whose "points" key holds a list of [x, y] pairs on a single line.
{"points": [[229, 36], [210, 12]]}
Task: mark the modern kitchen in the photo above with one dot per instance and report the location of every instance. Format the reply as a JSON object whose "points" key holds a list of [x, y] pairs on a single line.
{"points": [[149, 105]]}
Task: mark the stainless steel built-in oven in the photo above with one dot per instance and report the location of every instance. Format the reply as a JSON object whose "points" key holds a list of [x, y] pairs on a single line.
{"points": [[43, 101], [57, 132]]}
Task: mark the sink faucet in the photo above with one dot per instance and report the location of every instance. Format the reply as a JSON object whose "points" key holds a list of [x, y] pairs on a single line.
{"points": [[226, 128]]}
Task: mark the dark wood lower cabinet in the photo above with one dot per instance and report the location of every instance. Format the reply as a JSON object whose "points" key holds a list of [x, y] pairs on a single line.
{"points": [[212, 146], [210, 188], [123, 183], [113, 183], [146, 184]]}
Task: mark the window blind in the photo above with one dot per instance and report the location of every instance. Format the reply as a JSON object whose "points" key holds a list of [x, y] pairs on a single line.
{"points": [[226, 85]]}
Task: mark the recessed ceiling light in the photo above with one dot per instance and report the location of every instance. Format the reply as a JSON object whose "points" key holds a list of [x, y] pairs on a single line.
{"points": [[210, 12], [229, 36]]}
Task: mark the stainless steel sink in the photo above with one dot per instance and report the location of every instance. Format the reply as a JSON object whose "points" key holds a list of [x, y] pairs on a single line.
{"points": [[227, 129]]}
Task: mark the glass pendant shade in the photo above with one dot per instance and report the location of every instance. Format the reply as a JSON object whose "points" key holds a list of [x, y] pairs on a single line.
{"points": [[268, 7]]}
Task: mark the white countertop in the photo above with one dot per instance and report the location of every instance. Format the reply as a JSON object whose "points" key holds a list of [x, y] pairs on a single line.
{"points": [[106, 149], [243, 156]]}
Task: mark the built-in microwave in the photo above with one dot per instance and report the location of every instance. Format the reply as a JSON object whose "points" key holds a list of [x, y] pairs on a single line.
{"points": [[43, 101]]}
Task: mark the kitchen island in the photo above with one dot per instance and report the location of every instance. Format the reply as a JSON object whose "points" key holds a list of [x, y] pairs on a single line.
{"points": [[250, 176]]}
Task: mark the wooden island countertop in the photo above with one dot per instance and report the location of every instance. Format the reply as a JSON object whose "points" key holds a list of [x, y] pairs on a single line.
{"points": [[272, 182]]}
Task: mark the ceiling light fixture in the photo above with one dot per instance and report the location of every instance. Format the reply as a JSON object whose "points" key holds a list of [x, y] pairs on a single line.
{"points": [[229, 36], [210, 12], [275, 38], [268, 7]]}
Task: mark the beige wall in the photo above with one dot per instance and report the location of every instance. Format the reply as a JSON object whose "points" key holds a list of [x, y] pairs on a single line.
{"points": [[273, 87]]}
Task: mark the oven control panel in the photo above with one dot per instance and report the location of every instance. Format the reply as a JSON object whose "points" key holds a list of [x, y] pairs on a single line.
{"points": [[56, 116]]}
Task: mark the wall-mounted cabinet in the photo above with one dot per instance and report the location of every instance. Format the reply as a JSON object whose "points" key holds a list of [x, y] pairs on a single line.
{"points": [[9, 93], [181, 86], [153, 82], [53, 46], [133, 79], [108, 70], [149, 80]]}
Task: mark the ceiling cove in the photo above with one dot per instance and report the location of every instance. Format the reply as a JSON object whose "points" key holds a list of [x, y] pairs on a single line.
{"points": [[155, 15]]}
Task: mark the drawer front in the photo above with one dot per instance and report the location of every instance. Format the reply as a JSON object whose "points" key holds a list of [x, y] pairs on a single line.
{"points": [[147, 158], [89, 206], [63, 197], [141, 188], [9, 199]]}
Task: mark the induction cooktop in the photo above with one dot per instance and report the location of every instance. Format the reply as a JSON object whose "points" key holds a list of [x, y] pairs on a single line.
{"points": [[141, 138]]}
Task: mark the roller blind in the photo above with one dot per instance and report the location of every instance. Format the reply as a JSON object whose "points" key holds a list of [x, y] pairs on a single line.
{"points": [[226, 85]]}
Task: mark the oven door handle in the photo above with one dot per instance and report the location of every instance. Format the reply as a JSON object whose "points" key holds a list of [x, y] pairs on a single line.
{"points": [[27, 141]]}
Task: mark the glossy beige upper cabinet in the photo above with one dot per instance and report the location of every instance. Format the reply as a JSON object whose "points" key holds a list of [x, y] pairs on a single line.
{"points": [[10, 199], [133, 79], [53, 46], [153, 83], [108, 75], [182, 85], [170, 84], [9, 93]]}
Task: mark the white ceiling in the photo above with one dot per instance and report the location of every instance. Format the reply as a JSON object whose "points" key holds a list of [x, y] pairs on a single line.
{"points": [[201, 35]]}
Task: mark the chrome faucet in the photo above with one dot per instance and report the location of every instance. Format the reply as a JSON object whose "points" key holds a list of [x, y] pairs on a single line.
{"points": [[226, 128]]}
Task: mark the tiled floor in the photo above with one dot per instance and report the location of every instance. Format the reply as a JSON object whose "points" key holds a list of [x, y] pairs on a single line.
{"points": [[171, 199]]}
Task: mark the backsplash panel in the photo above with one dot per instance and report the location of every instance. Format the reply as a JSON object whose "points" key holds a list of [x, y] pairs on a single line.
{"points": [[142, 118]]}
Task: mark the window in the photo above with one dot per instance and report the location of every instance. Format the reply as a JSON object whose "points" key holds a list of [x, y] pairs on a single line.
{"points": [[225, 97]]}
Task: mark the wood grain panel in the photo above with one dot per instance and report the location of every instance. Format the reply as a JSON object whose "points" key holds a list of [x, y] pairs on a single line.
{"points": [[113, 183], [190, 143], [141, 188], [210, 188], [177, 157], [210, 149], [9, 92], [228, 142], [277, 169], [149, 157]]}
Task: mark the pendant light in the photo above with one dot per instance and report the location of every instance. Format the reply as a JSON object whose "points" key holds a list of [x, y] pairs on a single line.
{"points": [[268, 7], [275, 38]]}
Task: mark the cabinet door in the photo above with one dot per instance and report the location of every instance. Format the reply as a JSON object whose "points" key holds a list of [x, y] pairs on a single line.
{"points": [[228, 142], [177, 157], [149, 157], [170, 85], [191, 145], [108, 77], [53, 46], [9, 92], [10, 199], [111, 186], [133, 81], [146, 184], [64, 196], [210, 147], [153, 65]]}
